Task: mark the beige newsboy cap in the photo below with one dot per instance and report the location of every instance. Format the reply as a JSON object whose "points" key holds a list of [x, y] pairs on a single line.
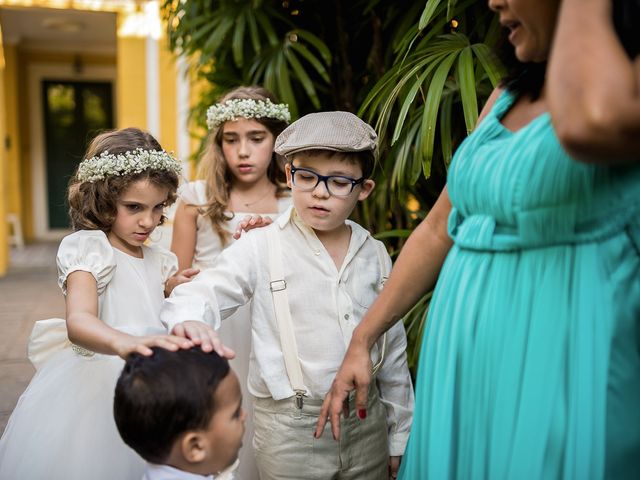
{"points": [[337, 131]]}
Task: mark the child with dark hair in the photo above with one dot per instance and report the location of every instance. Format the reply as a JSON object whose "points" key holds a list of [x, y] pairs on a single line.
{"points": [[182, 412]]}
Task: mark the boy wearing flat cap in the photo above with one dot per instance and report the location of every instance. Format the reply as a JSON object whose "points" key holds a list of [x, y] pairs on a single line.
{"points": [[309, 277]]}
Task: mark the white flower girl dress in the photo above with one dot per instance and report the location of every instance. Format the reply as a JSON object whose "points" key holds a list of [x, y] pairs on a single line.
{"points": [[62, 427]]}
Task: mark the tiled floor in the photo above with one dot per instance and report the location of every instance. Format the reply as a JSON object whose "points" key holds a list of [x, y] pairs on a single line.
{"points": [[27, 293]]}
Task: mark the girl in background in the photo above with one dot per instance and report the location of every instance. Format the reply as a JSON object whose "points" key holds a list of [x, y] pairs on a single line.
{"points": [[243, 186]]}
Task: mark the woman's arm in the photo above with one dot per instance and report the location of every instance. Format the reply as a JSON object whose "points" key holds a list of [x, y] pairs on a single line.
{"points": [[85, 329], [414, 273], [593, 87], [183, 242]]}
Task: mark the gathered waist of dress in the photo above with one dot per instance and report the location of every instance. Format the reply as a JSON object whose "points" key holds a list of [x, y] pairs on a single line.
{"points": [[539, 228]]}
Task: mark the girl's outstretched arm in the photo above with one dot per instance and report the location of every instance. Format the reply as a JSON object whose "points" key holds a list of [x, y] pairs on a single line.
{"points": [[86, 330], [593, 87], [183, 242]]}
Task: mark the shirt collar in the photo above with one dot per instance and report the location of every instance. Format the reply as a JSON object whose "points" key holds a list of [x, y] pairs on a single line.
{"points": [[285, 216], [167, 472], [358, 234]]}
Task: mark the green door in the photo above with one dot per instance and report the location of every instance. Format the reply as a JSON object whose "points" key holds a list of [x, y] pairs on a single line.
{"points": [[74, 112]]}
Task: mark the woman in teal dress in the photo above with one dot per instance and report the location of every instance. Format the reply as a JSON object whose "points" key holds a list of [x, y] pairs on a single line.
{"points": [[530, 362]]}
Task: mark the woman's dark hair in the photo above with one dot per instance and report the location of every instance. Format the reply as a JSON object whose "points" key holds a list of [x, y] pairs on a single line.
{"points": [[93, 205], [626, 18], [158, 398]]}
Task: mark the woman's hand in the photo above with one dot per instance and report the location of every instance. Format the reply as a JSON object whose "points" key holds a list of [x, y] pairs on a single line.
{"points": [[250, 222], [202, 334], [394, 466], [354, 374], [184, 276], [125, 345]]}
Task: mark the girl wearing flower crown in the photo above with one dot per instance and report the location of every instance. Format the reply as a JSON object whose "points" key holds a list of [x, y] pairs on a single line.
{"points": [[62, 426], [243, 187]]}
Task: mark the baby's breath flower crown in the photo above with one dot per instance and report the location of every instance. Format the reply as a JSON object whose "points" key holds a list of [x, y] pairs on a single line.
{"points": [[246, 108], [135, 161]]}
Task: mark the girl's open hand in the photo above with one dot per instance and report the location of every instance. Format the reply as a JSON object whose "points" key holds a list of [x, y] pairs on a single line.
{"points": [[184, 276], [250, 222], [202, 334], [129, 344]]}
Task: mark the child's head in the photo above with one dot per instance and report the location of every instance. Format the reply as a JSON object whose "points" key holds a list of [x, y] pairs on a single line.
{"points": [[244, 125], [330, 157], [119, 164], [181, 408]]}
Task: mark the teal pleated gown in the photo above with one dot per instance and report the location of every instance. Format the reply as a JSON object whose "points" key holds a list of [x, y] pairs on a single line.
{"points": [[530, 362]]}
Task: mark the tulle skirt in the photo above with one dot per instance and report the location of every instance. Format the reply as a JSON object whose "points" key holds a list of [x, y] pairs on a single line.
{"points": [[63, 428]]}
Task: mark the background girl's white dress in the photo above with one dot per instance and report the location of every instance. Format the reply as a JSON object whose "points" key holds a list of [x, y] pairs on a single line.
{"points": [[235, 330], [62, 427]]}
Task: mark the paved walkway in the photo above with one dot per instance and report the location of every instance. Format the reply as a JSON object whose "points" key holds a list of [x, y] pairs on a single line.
{"points": [[28, 292]]}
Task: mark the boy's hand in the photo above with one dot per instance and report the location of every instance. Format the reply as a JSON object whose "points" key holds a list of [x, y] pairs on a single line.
{"points": [[184, 276], [394, 466], [250, 222], [202, 334], [128, 344]]}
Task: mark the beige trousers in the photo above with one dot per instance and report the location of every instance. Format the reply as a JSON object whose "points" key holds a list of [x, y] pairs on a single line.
{"points": [[285, 448]]}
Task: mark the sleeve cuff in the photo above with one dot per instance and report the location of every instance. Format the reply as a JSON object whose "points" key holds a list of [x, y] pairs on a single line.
{"points": [[398, 443], [172, 314]]}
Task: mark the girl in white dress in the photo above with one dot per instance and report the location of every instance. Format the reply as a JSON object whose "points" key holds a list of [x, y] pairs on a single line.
{"points": [[243, 187], [62, 427]]}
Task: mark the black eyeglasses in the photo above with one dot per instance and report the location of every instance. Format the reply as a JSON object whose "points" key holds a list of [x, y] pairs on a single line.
{"points": [[337, 185]]}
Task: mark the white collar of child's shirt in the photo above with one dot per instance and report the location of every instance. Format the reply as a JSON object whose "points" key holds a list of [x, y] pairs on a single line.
{"points": [[358, 232], [166, 472]]}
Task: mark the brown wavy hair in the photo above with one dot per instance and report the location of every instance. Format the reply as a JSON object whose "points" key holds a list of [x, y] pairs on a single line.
{"points": [[213, 166], [93, 205]]}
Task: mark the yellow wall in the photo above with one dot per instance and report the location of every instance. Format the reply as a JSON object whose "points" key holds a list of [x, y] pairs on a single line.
{"points": [[4, 245], [131, 103], [12, 93]]}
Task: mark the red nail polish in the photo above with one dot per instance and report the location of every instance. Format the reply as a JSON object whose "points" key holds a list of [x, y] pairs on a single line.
{"points": [[362, 413]]}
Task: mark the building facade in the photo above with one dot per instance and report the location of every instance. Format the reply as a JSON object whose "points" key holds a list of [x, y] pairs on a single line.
{"points": [[69, 69]]}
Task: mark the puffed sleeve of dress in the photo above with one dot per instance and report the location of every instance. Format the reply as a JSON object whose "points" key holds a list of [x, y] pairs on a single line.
{"points": [[86, 251]]}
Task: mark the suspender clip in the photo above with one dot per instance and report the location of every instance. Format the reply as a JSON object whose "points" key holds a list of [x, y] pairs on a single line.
{"points": [[277, 285], [300, 394]]}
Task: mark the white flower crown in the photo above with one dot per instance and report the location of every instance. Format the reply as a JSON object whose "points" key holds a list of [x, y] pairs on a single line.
{"points": [[135, 161], [246, 108]]}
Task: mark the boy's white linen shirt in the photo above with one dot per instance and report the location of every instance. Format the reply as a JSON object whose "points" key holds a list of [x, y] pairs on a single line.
{"points": [[326, 305]]}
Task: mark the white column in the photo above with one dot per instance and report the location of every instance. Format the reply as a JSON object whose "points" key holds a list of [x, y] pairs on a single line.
{"points": [[182, 98], [152, 57]]}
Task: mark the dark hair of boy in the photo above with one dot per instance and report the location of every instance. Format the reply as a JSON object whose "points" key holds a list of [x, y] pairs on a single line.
{"points": [[365, 158], [158, 398]]}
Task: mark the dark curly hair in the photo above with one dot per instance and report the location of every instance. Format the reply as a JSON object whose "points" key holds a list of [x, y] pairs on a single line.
{"points": [[160, 397], [93, 205]]}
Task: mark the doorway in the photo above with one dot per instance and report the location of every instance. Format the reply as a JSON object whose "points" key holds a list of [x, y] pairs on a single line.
{"points": [[74, 113]]}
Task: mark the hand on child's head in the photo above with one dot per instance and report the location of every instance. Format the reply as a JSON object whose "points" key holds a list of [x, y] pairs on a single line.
{"points": [[202, 334], [142, 345], [250, 222]]}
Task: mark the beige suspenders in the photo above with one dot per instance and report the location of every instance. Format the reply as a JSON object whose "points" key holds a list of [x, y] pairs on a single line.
{"points": [[278, 287]]}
